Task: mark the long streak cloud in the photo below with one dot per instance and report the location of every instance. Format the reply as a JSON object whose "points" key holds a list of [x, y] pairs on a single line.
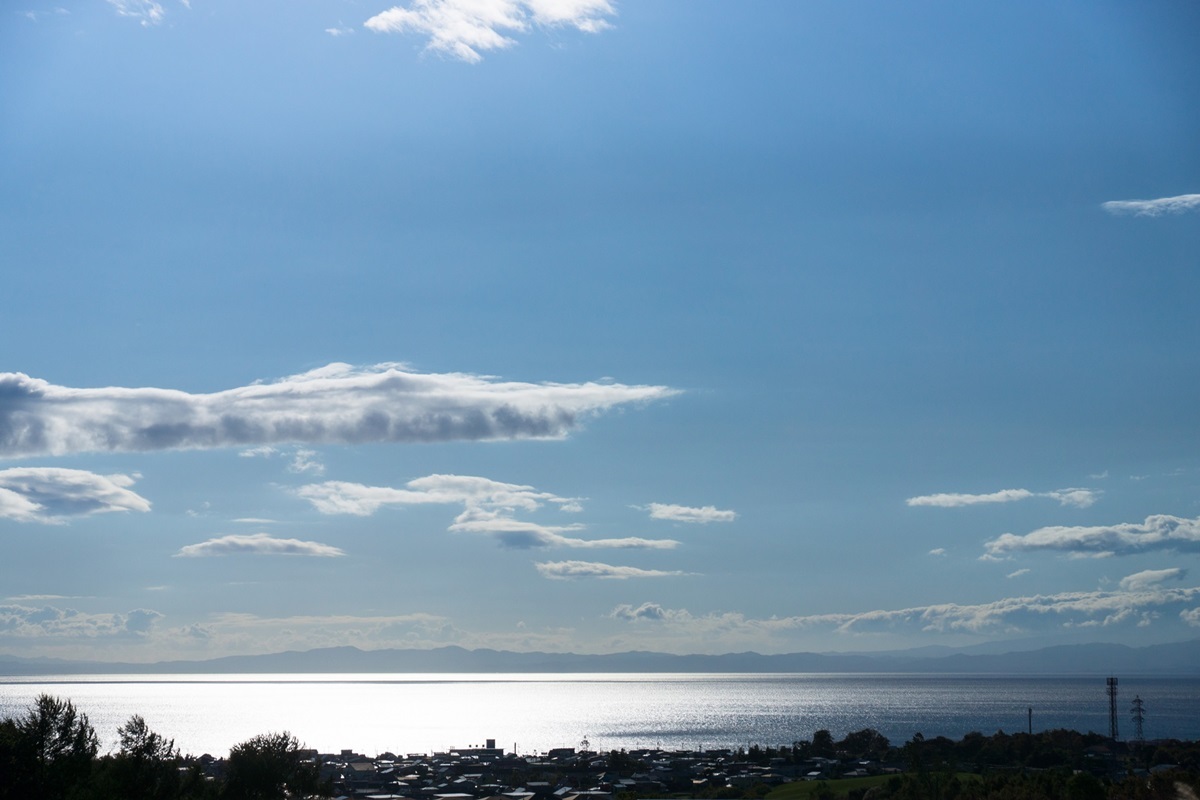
{"points": [[336, 404], [1080, 498], [1160, 532], [1154, 208]]}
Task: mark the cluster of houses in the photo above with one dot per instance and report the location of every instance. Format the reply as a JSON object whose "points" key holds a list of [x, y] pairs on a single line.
{"points": [[488, 773]]}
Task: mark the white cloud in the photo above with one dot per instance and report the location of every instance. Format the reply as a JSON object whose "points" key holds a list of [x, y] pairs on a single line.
{"points": [[258, 544], [1191, 616], [337, 404], [1154, 208], [1017, 573], [1158, 533], [339, 31], [488, 508], [49, 622], [464, 28], [1080, 498], [50, 494], [1148, 579], [147, 12], [938, 551], [565, 570], [688, 514]]}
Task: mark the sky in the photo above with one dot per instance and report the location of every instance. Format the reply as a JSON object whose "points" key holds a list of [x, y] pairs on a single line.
{"points": [[597, 325]]}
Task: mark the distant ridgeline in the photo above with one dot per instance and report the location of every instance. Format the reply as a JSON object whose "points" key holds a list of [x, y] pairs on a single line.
{"points": [[1181, 658]]}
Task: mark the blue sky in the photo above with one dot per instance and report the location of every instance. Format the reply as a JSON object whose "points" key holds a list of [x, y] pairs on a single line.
{"points": [[596, 326]]}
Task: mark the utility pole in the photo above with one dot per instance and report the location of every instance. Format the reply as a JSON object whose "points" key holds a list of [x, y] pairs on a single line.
{"points": [[1112, 709]]}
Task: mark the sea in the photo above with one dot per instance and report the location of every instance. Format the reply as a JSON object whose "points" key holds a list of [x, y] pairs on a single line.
{"points": [[371, 714]]}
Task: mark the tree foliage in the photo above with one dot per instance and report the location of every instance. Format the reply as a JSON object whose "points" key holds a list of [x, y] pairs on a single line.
{"points": [[146, 767], [267, 767], [49, 752]]}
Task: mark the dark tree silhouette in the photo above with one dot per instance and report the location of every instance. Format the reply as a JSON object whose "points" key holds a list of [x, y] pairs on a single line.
{"points": [[47, 753], [268, 767], [147, 765]]}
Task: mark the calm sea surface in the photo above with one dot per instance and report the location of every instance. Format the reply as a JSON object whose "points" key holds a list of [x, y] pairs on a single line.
{"points": [[408, 713]]}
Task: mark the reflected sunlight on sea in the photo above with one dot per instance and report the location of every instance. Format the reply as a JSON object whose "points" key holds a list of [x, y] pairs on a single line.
{"points": [[532, 713]]}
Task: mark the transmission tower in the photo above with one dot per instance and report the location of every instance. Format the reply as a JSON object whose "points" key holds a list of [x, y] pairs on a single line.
{"points": [[1112, 709], [1137, 711]]}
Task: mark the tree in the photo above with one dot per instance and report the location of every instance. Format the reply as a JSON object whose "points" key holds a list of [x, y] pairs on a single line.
{"points": [[147, 765], [822, 744], [867, 743], [268, 767], [52, 749]]}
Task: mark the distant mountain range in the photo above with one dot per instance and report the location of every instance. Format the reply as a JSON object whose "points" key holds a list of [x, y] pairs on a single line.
{"points": [[1181, 658]]}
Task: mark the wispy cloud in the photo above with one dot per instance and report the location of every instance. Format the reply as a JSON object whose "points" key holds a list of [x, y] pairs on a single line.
{"points": [[938, 551], [306, 461], [567, 570], [337, 404], [261, 544], [488, 508], [340, 30], [303, 459], [1080, 498], [146, 12], [51, 494], [1154, 208], [1148, 579], [463, 29], [702, 515], [1018, 573], [1160, 532]]}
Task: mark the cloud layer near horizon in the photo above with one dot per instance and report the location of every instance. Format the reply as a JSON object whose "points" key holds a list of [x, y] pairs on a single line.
{"points": [[464, 28], [1139, 605], [336, 404], [17, 621]]}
